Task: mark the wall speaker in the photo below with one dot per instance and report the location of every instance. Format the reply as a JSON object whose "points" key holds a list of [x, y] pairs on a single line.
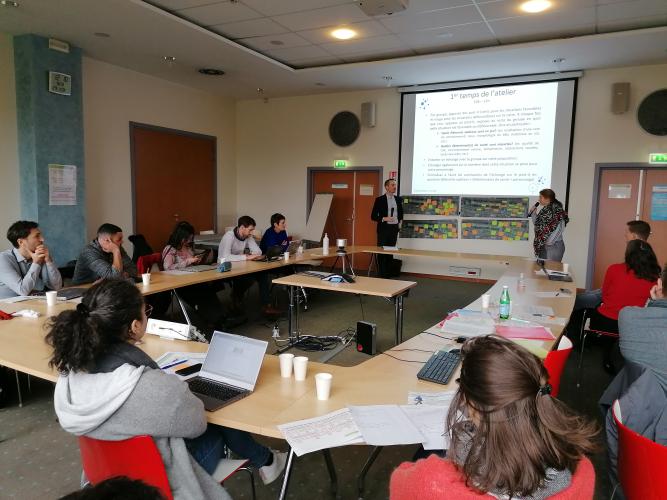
{"points": [[368, 114], [620, 97]]}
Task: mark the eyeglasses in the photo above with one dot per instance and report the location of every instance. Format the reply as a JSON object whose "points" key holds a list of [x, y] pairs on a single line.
{"points": [[148, 309]]}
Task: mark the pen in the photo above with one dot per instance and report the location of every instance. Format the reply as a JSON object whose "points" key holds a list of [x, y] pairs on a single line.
{"points": [[173, 364]]}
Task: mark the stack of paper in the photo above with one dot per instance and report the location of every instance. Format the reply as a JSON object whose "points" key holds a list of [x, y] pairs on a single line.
{"points": [[468, 323]]}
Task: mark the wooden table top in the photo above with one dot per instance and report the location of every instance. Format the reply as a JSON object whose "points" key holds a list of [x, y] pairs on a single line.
{"points": [[362, 285], [379, 380]]}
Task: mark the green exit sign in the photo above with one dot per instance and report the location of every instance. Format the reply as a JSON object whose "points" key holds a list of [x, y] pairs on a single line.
{"points": [[340, 163], [657, 158]]}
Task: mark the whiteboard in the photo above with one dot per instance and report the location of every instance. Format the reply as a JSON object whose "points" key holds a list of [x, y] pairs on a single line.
{"points": [[318, 217]]}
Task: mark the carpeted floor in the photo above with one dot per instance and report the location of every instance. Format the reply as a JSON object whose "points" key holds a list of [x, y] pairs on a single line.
{"points": [[40, 461]]}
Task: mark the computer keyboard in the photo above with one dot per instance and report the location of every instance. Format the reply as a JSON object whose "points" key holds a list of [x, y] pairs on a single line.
{"points": [[440, 367], [213, 389]]}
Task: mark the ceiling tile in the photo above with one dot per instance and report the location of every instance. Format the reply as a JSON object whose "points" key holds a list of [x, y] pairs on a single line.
{"points": [[278, 7], [364, 30], [447, 38], [218, 13], [403, 23], [263, 43], [433, 5], [299, 53], [555, 25], [501, 9], [330, 16], [631, 10], [245, 29], [179, 4], [632, 24], [366, 45]]}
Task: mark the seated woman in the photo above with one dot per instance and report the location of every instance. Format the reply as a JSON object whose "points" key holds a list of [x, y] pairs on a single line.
{"points": [[202, 299], [509, 437], [109, 389], [276, 235]]}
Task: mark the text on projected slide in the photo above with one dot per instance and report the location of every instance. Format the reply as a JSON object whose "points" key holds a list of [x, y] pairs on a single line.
{"points": [[487, 141]]}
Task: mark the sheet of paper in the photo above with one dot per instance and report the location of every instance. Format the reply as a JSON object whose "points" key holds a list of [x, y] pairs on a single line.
{"points": [[534, 346], [443, 398], [62, 184], [533, 333], [546, 320], [385, 425], [319, 433], [430, 421], [18, 298]]}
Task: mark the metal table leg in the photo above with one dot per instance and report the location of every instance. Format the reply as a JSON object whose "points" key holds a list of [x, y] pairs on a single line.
{"points": [[332, 470], [362, 476], [288, 470], [18, 388], [398, 318], [292, 319]]}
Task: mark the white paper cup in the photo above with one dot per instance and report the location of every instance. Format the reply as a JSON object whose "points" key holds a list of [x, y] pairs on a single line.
{"points": [[323, 385], [146, 278], [566, 267], [300, 367], [51, 298], [286, 359], [486, 299], [286, 255]]}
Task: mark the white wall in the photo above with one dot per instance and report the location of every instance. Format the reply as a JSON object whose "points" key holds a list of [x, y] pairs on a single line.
{"points": [[112, 98], [278, 140], [293, 135], [10, 197]]}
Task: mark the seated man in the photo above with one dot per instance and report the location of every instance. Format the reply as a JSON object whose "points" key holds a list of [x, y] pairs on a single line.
{"points": [[239, 245], [276, 235], [104, 257], [634, 230], [28, 267]]}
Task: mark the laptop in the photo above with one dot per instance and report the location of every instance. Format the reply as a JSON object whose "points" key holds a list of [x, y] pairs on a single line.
{"points": [[66, 293], [229, 371], [272, 253], [293, 246]]}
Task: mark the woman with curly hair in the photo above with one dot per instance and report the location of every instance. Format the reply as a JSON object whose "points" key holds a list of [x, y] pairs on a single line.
{"points": [[509, 437]]}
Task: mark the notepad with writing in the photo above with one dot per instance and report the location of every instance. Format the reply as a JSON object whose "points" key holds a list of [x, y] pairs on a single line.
{"points": [[529, 332]]}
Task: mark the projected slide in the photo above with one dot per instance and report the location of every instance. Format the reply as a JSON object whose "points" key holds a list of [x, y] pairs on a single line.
{"points": [[484, 229], [484, 141]]}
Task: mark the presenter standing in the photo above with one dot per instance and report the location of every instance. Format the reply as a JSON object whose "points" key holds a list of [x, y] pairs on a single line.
{"points": [[388, 213], [550, 222]]}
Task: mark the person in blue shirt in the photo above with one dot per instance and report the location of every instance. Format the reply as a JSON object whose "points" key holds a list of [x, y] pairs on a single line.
{"points": [[276, 235]]}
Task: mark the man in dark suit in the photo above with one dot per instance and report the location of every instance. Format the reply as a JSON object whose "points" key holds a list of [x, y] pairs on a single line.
{"points": [[388, 213]]}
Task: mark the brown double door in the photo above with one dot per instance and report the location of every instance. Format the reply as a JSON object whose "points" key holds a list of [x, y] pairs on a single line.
{"points": [[627, 194], [350, 215], [174, 179]]}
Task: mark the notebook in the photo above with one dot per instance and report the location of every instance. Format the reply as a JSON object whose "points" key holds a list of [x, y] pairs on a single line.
{"points": [[229, 371], [199, 268]]}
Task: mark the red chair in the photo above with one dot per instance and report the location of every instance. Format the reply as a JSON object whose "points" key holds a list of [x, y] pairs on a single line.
{"points": [[641, 463], [555, 363], [145, 262], [136, 458], [139, 458]]}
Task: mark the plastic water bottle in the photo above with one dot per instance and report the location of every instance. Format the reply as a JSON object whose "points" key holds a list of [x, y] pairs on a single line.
{"points": [[522, 282], [276, 331], [325, 244], [505, 303]]}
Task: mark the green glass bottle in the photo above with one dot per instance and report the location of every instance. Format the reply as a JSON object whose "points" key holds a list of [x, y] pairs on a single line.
{"points": [[505, 304]]}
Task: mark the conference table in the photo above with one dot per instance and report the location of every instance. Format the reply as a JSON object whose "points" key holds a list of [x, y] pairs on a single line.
{"points": [[379, 380]]}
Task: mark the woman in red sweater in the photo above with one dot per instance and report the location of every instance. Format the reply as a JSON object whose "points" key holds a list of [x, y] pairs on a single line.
{"points": [[509, 437]]}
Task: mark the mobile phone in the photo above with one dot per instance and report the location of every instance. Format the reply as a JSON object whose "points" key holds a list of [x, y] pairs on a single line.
{"points": [[189, 370]]}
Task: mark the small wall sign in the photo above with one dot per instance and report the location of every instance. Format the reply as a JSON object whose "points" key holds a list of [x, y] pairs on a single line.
{"points": [[60, 83]]}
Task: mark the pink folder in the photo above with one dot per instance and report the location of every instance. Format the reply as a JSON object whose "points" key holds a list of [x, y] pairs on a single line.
{"points": [[531, 332]]}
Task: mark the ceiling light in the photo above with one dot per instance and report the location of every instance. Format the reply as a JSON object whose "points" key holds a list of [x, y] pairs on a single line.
{"points": [[343, 33], [169, 59], [535, 6], [8, 3], [211, 71]]}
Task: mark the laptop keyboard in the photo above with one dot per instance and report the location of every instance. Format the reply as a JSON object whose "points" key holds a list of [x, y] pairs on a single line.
{"points": [[440, 367], [213, 389]]}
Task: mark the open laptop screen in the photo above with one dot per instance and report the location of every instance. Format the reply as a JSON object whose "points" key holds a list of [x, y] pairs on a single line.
{"points": [[234, 360]]}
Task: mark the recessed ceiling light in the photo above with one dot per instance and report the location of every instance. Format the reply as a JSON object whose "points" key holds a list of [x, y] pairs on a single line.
{"points": [[101, 34], [211, 71], [169, 59], [8, 3], [535, 6], [343, 33]]}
